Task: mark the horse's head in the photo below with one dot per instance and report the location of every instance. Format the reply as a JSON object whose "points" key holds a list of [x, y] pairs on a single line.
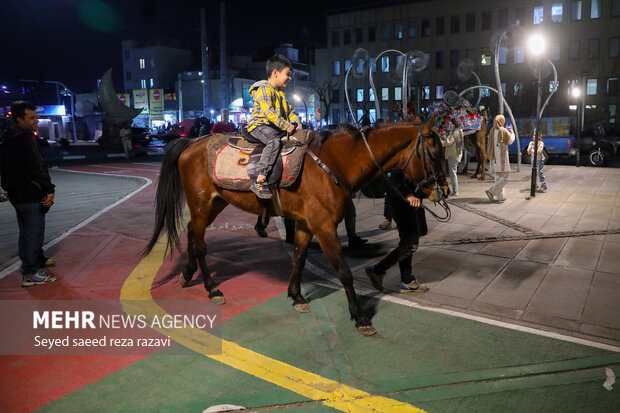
{"points": [[425, 164]]}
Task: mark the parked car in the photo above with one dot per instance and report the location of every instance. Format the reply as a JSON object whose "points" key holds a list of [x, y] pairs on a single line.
{"points": [[140, 136], [589, 138]]}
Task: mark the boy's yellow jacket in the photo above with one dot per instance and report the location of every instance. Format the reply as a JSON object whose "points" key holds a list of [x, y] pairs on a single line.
{"points": [[270, 107]]}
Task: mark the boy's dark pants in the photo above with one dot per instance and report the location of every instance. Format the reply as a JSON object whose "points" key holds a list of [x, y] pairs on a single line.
{"points": [[270, 137], [407, 222]]}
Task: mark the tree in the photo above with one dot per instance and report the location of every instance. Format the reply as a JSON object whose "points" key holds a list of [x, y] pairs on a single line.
{"points": [[325, 94]]}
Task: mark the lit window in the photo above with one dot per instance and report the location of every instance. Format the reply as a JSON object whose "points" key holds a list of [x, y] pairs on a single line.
{"points": [[426, 92], [385, 93], [359, 95], [439, 92], [398, 93], [539, 12], [503, 88], [555, 51], [336, 67], [143, 83], [142, 64], [553, 86], [347, 65], [575, 9], [572, 107], [399, 59], [372, 114], [592, 87], [519, 56], [360, 114], [151, 82], [595, 9], [385, 64], [398, 31], [371, 95], [612, 113], [518, 88], [485, 59], [501, 57], [372, 64], [557, 9]]}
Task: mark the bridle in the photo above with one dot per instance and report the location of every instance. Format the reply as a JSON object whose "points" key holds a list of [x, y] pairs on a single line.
{"points": [[434, 177]]}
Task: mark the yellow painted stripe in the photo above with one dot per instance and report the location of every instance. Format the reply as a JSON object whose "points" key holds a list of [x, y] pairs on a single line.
{"points": [[137, 299]]}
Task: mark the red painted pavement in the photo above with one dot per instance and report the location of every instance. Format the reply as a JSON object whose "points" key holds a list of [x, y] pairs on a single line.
{"points": [[93, 263]]}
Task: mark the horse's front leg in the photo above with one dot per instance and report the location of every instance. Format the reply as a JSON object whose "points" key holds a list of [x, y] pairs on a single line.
{"points": [[328, 239], [303, 236]]}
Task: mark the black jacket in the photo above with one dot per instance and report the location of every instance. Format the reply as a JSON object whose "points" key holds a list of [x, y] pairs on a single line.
{"points": [[402, 210], [24, 173]]}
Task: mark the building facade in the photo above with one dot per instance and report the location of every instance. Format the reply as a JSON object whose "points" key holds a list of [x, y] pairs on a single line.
{"points": [[583, 42]]}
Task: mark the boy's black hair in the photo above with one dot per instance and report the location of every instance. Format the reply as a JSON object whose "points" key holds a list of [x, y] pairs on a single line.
{"points": [[18, 108], [278, 62]]}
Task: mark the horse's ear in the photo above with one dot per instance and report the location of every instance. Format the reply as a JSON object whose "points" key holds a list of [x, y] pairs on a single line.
{"points": [[431, 123]]}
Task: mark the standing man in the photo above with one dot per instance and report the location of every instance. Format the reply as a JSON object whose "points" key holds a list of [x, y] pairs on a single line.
{"points": [[26, 179], [224, 125], [497, 151]]}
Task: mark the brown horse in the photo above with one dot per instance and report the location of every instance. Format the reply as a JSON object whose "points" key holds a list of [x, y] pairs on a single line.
{"points": [[315, 201], [478, 141]]}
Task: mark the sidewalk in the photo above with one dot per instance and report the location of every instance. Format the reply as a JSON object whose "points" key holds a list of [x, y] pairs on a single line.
{"points": [[567, 283]]}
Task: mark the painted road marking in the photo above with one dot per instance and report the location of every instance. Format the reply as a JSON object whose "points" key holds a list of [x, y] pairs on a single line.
{"points": [[125, 168], [136, 299]]}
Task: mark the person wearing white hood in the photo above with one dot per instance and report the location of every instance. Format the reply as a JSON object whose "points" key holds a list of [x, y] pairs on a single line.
{"points": [[497, 151]]}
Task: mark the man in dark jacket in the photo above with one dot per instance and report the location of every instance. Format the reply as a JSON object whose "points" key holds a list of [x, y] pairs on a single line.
{"points": [[411, 225], [26, 179]]}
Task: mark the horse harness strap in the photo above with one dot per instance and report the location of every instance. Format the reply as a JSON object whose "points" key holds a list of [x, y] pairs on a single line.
{"points": [[328, 171]]}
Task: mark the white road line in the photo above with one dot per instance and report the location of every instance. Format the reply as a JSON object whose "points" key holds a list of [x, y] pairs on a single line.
{"points": [[16, 264]]}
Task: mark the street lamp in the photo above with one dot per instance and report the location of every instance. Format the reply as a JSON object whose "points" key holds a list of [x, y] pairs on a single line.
{"points": [[537, 46], [299, 99], [576, 93]]}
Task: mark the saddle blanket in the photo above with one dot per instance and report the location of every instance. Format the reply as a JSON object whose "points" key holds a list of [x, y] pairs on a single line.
{"points": [[230, 167]]}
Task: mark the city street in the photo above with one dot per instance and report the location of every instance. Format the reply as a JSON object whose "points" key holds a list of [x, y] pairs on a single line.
{"points": [[522, 312]]}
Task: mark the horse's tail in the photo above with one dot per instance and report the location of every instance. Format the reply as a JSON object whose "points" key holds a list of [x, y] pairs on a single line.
{"points": [[170, 197]]}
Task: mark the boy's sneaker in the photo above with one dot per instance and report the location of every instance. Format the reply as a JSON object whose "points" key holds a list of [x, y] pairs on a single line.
{"points": [[261, 190], [375, 279], [385, 225], [413, 287], [37, 278]]}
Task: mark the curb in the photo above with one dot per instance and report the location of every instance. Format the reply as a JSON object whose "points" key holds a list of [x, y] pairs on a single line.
{"points": [[100, 156]]}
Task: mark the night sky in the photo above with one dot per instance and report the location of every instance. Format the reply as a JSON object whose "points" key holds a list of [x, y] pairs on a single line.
{"points": [[75, 41]]}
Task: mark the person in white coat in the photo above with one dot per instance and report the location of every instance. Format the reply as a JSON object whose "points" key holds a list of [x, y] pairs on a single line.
{"points": [[453, 148], [497, 152]]}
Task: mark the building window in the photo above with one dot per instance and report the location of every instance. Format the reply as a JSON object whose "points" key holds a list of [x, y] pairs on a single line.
{"points": [[359, 95], [573, 50], [143, 83], [593, 48], [518, 89], [439, 60], [502, 55], [614, 46], [372, 115], [371, 95], [385, 93], [411, 30], [385, 63], [439, 26], [503, 84], [439, 92], [454, 58], [612, 86], [335, 38], [615, 8], [539, 14], [470, 22], [371, 63], [502, 18], [520, 15], [398, 93], [152, 62], [455, 24], [426, 28], [519, 55], [595, 9], [557, 10], [385, 32], [347, 65], [127, 75], [336, 68], [575, 9], [142, 64], [592, 87], [346, 36], [398, 31], [426, 92], [360, 114], [336, 116], [612, 114], [427, 55], [359, 35], [371, 34], [555, 51], [486, 20], [469, 53], [335, 95], [359, 69], [485, 58], [553, 86], [151, 82]]}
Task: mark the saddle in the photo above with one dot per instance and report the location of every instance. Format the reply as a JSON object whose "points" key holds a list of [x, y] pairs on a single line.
{"points": [[232, 160]]}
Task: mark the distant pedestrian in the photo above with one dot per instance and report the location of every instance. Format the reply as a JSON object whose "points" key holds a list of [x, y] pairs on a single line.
{"points": [[26, 179], [224, 125], [125, 134], [453, 148], [540, 159], [497, 151]]}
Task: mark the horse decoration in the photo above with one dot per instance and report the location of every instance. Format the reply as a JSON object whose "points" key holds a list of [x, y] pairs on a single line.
{"points": [[474, 128], [332, 170]]}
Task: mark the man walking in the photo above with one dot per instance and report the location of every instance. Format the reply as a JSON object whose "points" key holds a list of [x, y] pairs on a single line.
{"points": [[26, 179]]}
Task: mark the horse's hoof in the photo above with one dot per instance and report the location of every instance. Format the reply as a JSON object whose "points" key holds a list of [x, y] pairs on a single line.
{"points": [[302, 308], [183, 281], [367, 330], [218, 299]]}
